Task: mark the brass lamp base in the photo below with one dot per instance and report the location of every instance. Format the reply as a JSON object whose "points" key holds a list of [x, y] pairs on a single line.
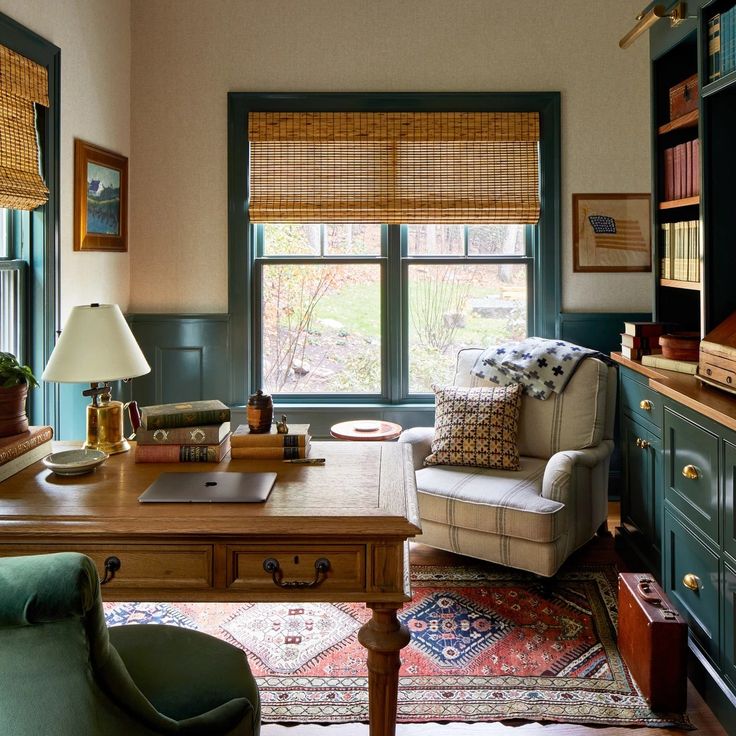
{"points": [[105, 427]]}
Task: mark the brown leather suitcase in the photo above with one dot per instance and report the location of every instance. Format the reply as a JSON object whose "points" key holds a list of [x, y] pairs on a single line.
{"points": [[652, 639]]}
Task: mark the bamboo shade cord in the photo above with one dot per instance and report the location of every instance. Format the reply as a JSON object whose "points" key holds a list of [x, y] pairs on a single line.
{"points": [[23, 83], [390, 168]]}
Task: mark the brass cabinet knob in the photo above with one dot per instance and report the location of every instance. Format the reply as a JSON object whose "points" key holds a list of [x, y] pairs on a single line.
{"points": [[692, 581], [690, 472], [645, 404], [643, 444]]}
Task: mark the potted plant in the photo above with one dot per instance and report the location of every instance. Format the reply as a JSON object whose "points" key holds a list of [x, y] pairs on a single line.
{"points": [[15, 379]]}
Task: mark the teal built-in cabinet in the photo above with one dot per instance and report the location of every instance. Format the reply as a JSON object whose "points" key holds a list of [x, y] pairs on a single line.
{"points": [[678, 437], [678, 507]]}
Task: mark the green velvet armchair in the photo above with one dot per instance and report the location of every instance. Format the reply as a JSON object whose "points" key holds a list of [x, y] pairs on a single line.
{"points": [[63, 672]]}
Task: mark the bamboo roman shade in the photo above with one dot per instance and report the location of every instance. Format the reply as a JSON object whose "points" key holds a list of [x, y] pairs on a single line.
{"points": [[433, 167], [22, 83]]}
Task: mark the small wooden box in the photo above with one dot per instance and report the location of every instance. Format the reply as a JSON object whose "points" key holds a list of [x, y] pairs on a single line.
{"points": [[684, 97], [652, 639], [717, 364]]}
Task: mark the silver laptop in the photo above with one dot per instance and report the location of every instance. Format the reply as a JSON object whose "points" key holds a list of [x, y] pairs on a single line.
{"points": [[214, 487]]}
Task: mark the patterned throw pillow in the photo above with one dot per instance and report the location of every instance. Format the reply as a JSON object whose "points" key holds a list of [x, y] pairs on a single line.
{"points": [[476, 427]]}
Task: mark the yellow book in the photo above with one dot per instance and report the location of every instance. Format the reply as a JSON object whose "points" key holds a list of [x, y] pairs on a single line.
{"points": [[270, 453], [297, 436]]}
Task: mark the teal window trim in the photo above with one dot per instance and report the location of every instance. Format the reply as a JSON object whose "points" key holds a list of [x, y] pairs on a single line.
{"points": [[40, 228], [543, 239]]}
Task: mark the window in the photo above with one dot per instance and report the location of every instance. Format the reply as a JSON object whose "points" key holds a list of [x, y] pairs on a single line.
{"points": [[321, 292], [28, 227], [373, 312], [13, 290]]}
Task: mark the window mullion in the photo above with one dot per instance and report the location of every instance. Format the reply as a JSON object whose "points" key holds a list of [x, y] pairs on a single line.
{"points": [[395, 372]]}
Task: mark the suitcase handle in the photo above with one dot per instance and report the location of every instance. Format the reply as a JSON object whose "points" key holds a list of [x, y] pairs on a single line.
{"points": [[645, 592]]}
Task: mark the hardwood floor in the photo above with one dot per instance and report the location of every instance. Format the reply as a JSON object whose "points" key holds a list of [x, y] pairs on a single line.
{"points": [[601, 548]]}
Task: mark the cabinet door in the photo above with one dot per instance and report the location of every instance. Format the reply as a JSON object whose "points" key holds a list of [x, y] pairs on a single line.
{"points": [[692, 582], [641, 509], [729, 498], [729, 624], [691, 472]]}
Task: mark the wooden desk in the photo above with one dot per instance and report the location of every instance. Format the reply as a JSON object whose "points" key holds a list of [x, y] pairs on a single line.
{"points": [[357, 511]]}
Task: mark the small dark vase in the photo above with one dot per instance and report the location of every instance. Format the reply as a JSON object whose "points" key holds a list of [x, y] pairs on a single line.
{"points": [[13, 419], [260, 413]]}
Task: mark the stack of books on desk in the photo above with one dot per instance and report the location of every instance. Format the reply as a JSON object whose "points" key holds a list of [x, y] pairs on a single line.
{"points": [[271, 445], [641, 338], [18, 451], [193, 432]]}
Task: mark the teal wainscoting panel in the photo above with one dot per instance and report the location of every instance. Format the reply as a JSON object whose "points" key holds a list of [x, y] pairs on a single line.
{"points": [[188, 354], [598, 330]]}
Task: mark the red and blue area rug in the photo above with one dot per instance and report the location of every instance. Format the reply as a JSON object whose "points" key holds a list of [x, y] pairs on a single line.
{"points": [[488, 644]]}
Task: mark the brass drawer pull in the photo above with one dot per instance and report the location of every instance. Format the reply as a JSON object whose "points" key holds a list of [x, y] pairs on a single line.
{"points": [[112, 565], [643, 444], [645, 404], [691, 581], [690, 472], [321, 566]]}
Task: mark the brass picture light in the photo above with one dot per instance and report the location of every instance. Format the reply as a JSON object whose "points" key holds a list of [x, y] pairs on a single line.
{"points": [[647, 18]]}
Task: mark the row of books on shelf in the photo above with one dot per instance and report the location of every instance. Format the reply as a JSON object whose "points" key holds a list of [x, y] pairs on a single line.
{"points": [[199, 431], [721, 44], [18, 451], [682, 171], [681, 251]]}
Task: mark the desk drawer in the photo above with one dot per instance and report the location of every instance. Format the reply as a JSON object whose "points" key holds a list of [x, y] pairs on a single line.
{"points": [[141, 566], [691, 472], [294, 566], [641, 401]]}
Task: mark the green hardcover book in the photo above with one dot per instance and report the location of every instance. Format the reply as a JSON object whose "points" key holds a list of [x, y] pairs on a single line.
{"points": [[185, 414]]}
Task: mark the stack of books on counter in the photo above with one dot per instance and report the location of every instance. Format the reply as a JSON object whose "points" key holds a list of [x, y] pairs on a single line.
{"points": [[271, 445], [190, 432], [641, 338], [18, 451]]}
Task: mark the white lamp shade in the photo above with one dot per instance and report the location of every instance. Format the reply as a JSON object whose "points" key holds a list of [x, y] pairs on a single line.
{"points": [[95, 345]]}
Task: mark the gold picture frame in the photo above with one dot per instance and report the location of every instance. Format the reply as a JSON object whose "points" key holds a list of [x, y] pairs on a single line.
{"points": [[611, 232], [100, 199]]}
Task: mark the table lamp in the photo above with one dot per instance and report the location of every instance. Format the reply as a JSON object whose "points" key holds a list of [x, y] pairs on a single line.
{"points": [[97, 346]]}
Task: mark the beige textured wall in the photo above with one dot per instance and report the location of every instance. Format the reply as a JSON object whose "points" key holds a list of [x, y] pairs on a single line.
{"points": [[94, 38], [188, 54]]}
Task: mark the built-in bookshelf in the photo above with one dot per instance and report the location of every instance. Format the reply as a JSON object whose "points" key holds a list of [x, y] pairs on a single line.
{"points": [[676, 211], [717, 23], [694, 148]]}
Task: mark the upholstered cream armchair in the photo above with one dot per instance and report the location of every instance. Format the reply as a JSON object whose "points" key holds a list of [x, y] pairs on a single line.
{"points": [[533, 518]]}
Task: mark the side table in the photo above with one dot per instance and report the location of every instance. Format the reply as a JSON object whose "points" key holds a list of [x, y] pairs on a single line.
{"points": [[365, 430]]}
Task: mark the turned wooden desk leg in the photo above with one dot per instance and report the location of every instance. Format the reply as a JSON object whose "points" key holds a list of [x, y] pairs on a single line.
{"points": [[384, 637]]}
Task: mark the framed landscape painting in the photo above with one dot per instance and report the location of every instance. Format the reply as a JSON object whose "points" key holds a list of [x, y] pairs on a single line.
{"points": [[611, 232], [100, 199]]}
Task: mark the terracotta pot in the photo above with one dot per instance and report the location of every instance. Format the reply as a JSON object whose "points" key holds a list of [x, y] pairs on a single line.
{"points": [[13, 419]]}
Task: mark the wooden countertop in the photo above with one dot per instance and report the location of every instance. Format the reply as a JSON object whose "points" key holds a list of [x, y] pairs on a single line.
{"points": [[688, 390]]}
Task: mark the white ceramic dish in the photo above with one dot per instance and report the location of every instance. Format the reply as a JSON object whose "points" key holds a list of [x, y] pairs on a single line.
{"points": [[74, 462], [367, 426]]}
